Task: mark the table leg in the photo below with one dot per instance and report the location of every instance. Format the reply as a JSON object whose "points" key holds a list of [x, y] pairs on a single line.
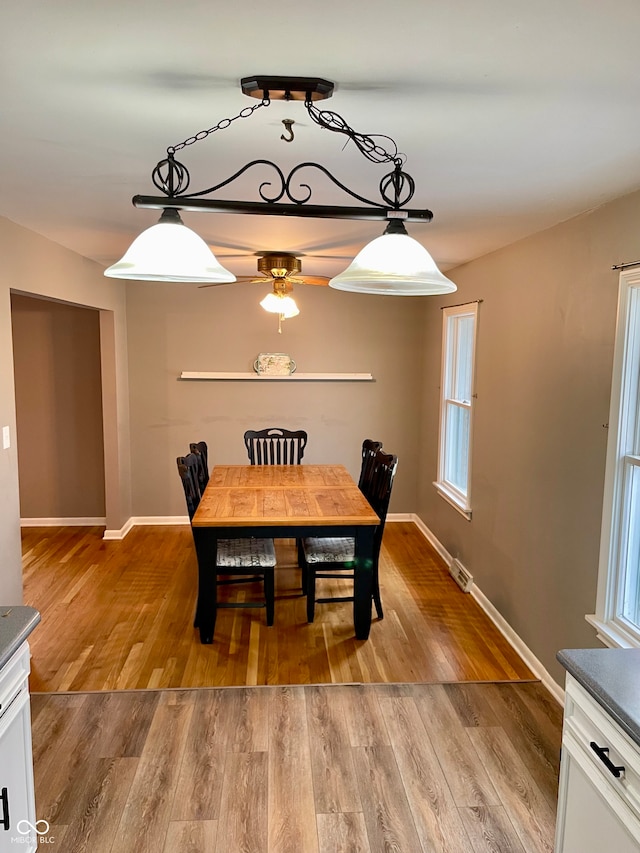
{"points": [[206, 608], [363, 582]]}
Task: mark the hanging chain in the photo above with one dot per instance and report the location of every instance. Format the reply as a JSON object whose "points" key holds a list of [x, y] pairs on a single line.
{"points": [[223, 124], [365, 143], [327, 119]]}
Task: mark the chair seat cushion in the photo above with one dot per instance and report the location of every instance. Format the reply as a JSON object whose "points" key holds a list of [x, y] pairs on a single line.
{"points": [[329, 550], [237, 553]]}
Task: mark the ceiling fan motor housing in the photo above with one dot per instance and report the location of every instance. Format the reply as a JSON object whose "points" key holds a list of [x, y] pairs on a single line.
{"points": [[279, 265]]}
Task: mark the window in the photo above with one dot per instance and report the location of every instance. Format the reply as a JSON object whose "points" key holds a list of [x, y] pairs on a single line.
{"points": [[456, 405], [617, 616]]}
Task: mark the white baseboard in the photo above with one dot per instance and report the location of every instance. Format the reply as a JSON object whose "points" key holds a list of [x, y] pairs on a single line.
{"points": [[400, 516], [63, 522], [428, 535], [139, 520], [121, 533], [498, 620], [519, 645], [160, 519]]}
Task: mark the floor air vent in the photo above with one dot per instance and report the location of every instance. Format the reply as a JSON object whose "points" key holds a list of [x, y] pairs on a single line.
{"points": [[460, 575]]}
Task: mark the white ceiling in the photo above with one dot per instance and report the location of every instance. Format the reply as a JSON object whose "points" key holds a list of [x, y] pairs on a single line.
{"points": [[513, 115]]}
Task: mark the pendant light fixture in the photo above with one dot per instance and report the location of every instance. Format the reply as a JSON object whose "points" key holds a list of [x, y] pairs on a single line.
{"points": [[391, 264], [169, 251]]}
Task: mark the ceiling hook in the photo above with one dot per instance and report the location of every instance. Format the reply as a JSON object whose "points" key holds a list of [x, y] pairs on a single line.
{"points": [[287, 122]]}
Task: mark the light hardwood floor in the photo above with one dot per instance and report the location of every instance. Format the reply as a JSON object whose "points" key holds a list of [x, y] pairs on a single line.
{"points": [[302, 765], [119, 615], [440, 768]]}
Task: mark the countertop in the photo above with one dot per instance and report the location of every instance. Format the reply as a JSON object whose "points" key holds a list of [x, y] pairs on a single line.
{"points": [[612, 677], [16, 623]]}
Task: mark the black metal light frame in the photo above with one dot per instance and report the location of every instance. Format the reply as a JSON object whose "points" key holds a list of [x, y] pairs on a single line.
{"points": [[396, 188]]}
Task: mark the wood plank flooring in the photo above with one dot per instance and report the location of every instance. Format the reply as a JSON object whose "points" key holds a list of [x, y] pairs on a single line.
{"points": [[119, 615], [414, 768], [181, 749]]}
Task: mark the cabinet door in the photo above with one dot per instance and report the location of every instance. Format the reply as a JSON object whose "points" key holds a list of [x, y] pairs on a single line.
{"points": [[591, 818], [16, 778]]}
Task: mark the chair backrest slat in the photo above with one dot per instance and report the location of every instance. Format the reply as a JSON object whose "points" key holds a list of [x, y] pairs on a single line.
{"points": [[369, 450], [275, 446], [378, 490], [188, 471], [199, 449]]}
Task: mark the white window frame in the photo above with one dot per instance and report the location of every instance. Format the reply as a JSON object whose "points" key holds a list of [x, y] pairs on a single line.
{"points": [[622, 456], [460, 499]]}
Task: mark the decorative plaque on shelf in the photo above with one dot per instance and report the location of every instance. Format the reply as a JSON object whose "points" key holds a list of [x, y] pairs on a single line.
{"points": [[274, 364]]}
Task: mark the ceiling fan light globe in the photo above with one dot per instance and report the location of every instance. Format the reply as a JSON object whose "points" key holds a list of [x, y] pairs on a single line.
{"points": [[169, 251], [276, 303], [395, 265], [291, 311]]}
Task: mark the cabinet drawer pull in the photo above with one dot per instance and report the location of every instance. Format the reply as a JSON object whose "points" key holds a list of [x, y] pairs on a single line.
{"points": [[4, 799], [603, 754]]}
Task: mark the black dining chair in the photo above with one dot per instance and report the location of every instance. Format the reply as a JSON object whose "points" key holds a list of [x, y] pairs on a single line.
{"points": [[202, 452], [238, 560], [335, 557], [275, 446], [369, 450]]}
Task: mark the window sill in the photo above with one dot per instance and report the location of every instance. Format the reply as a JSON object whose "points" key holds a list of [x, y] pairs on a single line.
{"points": [[452, 500], [611, 634]]}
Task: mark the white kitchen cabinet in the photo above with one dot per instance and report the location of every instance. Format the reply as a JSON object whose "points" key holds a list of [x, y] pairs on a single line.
{"points": [[17, 799], [599, 791]]}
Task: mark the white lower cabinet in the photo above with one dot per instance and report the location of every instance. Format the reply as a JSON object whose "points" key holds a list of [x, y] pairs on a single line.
{"points": [[599, 791], [18, 830]]}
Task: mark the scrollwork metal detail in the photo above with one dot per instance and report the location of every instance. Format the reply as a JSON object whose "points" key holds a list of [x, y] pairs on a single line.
{"points": [[403, 187], [172, 178]]}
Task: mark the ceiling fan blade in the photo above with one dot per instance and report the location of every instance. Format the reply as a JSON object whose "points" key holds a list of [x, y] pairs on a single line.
{"points": [[217, 284], [240, 279], [302, 279], [314, 256], [322, 280]]}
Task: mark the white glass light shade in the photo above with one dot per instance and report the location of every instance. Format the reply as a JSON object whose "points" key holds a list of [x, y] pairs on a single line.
{"points": [[393, 264], [169, 251], [276, 303]]}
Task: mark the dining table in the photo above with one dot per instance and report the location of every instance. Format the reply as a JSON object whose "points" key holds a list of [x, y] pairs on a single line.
{"points": [[282, 502]]}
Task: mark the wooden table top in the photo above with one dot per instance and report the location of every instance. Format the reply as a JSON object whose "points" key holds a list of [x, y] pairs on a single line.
{"points": [[271, 495]]}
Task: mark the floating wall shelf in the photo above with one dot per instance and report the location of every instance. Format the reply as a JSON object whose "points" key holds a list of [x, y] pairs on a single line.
{"points": [[292, 377]]}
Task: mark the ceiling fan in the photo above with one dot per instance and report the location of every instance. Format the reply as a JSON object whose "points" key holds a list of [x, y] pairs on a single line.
{"points": [[283, 269]]}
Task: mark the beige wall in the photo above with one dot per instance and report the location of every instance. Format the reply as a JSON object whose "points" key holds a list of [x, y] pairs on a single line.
{"points": [[33, 265], [182, 327], [56, 355], [544, 358]]}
